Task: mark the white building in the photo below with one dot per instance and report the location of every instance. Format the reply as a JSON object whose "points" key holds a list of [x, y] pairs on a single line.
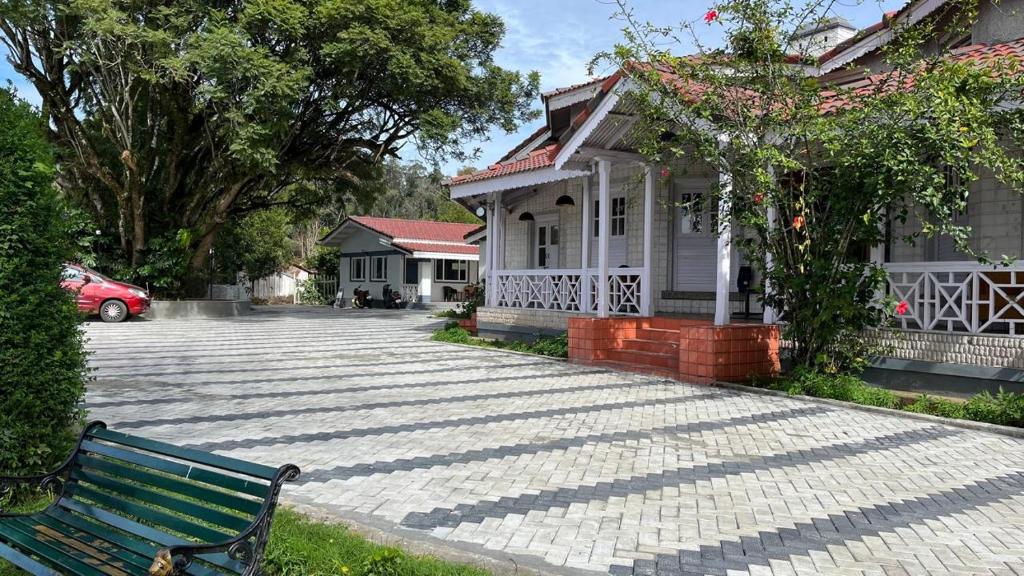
{"points": [[425, 261], [579, 227]]}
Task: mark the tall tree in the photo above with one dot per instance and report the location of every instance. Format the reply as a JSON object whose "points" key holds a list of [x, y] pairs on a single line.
{"points": [[177, 116]]}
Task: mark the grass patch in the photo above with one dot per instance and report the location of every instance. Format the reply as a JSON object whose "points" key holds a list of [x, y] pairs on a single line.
{"points": [[554, 347], [302, 547], [1005, 408]]}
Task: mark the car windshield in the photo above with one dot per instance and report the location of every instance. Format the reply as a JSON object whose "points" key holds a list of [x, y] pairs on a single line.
{"points": [[97, 274]]}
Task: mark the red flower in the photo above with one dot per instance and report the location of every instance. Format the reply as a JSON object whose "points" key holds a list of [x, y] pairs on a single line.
{"points": [[758, 198], [665, 172], [711, 16], [902, 308], [798, 222]]}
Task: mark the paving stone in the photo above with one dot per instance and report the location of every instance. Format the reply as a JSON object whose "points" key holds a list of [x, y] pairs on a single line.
{"points": [[582, 468]]}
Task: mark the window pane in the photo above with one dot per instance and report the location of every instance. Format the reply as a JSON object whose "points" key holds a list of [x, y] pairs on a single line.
{"points": [[542, 235], [554, 235], [542, 257]]}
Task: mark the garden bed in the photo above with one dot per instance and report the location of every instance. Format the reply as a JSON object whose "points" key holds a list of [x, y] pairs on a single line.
{"points": [[1001, 409], [553, 347]]}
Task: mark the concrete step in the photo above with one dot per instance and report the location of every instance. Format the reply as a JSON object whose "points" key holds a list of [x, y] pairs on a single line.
{"points": [[667, 361], [658, 334], [644, 345]]}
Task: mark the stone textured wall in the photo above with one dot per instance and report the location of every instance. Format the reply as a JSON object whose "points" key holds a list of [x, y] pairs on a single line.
{"points": [[701, 306], [971, 349], [550, 319]]}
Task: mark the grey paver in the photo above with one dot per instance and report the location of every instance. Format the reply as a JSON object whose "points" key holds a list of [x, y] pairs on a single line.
{"points": [[578, 468]]}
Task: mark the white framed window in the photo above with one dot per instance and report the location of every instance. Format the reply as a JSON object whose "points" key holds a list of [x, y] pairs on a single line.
{"points": [[451, 271], [357, 269], [379, 269], [617, 218]]}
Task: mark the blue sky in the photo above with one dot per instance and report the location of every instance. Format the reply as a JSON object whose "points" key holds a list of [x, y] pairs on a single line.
{"points": [[559, 37]]}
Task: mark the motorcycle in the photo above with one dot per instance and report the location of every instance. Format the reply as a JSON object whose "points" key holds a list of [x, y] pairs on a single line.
{"points": [[392, 299], [361, 298]]}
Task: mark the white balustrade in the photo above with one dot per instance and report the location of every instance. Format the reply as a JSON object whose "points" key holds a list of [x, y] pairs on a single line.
{"points": [[964, 297], [410, 293], [563, 289]]}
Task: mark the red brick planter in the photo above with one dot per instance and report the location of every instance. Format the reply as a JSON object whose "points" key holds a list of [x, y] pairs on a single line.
{"points": [[469, 325]]}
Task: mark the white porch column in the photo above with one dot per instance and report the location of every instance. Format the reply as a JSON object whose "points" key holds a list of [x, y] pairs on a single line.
{"points": [[724, 248], [426, 286], [646, 283], [604, 209], [769, 313], [587, 224], [491, 261], [877, 256]]}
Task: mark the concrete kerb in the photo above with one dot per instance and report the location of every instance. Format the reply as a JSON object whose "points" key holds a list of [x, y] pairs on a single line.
{"points": [[967, 424], [424, 544], [502, 350]]}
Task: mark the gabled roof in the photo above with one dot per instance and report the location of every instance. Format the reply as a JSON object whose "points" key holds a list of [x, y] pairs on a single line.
{"points": [[423, 230], [411, 236], [541, 158]]}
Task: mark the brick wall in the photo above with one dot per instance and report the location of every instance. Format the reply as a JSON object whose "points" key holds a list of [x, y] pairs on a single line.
{"points": [[944, 347], [732, 353]]}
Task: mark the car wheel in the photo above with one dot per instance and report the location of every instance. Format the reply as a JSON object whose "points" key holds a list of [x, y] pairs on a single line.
{"points": [[113, 311]]}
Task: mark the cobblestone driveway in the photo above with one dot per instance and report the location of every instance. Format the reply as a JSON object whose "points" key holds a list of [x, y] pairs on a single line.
{"points": [[571, 468]]}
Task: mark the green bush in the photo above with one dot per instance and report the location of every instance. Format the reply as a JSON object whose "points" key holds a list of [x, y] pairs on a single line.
{"points": [[835, 386], [454, 333], [42, 362], [936, 407]]}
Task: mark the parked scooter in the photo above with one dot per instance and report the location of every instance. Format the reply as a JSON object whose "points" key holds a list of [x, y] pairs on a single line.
{"points": [[361, 298], [392, 298]]}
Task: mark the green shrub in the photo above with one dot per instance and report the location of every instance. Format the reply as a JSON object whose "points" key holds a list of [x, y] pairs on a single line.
{"points": [[42, 362], [835, 386], [557, 347], [936, 407], [453, 333]]}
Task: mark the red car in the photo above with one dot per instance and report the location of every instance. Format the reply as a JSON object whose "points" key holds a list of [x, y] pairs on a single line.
{"points": [[114, 301]]}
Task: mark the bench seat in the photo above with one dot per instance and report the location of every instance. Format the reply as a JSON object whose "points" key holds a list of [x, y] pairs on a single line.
{"points": [[131, 506]]}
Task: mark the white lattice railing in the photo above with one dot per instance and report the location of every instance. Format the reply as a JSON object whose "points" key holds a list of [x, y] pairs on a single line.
{"points": [[410, 293], [963, 297], [539, 289], [564, 290], [624, 291]]}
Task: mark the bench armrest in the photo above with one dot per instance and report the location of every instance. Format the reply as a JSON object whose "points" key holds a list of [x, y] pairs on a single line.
{"points": [[53, 480], [246, 548]]}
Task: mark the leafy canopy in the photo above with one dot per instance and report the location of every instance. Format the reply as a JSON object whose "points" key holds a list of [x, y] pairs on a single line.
{"points": [[172, 118]]}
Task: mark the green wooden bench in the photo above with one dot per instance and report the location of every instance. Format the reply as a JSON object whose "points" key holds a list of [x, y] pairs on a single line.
{"points": [[131, 506]]}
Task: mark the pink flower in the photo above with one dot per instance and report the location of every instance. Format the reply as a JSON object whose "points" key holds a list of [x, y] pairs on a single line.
{"points": [[711, 16], [665, 172], [758, 198], [798, 222], [902, 308]]}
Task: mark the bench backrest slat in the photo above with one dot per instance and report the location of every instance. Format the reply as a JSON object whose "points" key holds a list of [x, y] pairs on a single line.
{"points": [[183, 470], [247, 506], [211, 460], [152, 499], [146, 514]]}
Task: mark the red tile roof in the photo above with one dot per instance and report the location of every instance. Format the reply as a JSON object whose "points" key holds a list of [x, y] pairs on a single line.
{"points": [[559, 91], [886, 82], [540, 158], [418, 230], [442, 248], [536, 134]]}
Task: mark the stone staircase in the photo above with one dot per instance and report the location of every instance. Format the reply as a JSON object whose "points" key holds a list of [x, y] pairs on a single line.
{"points": [[652, 346]]}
